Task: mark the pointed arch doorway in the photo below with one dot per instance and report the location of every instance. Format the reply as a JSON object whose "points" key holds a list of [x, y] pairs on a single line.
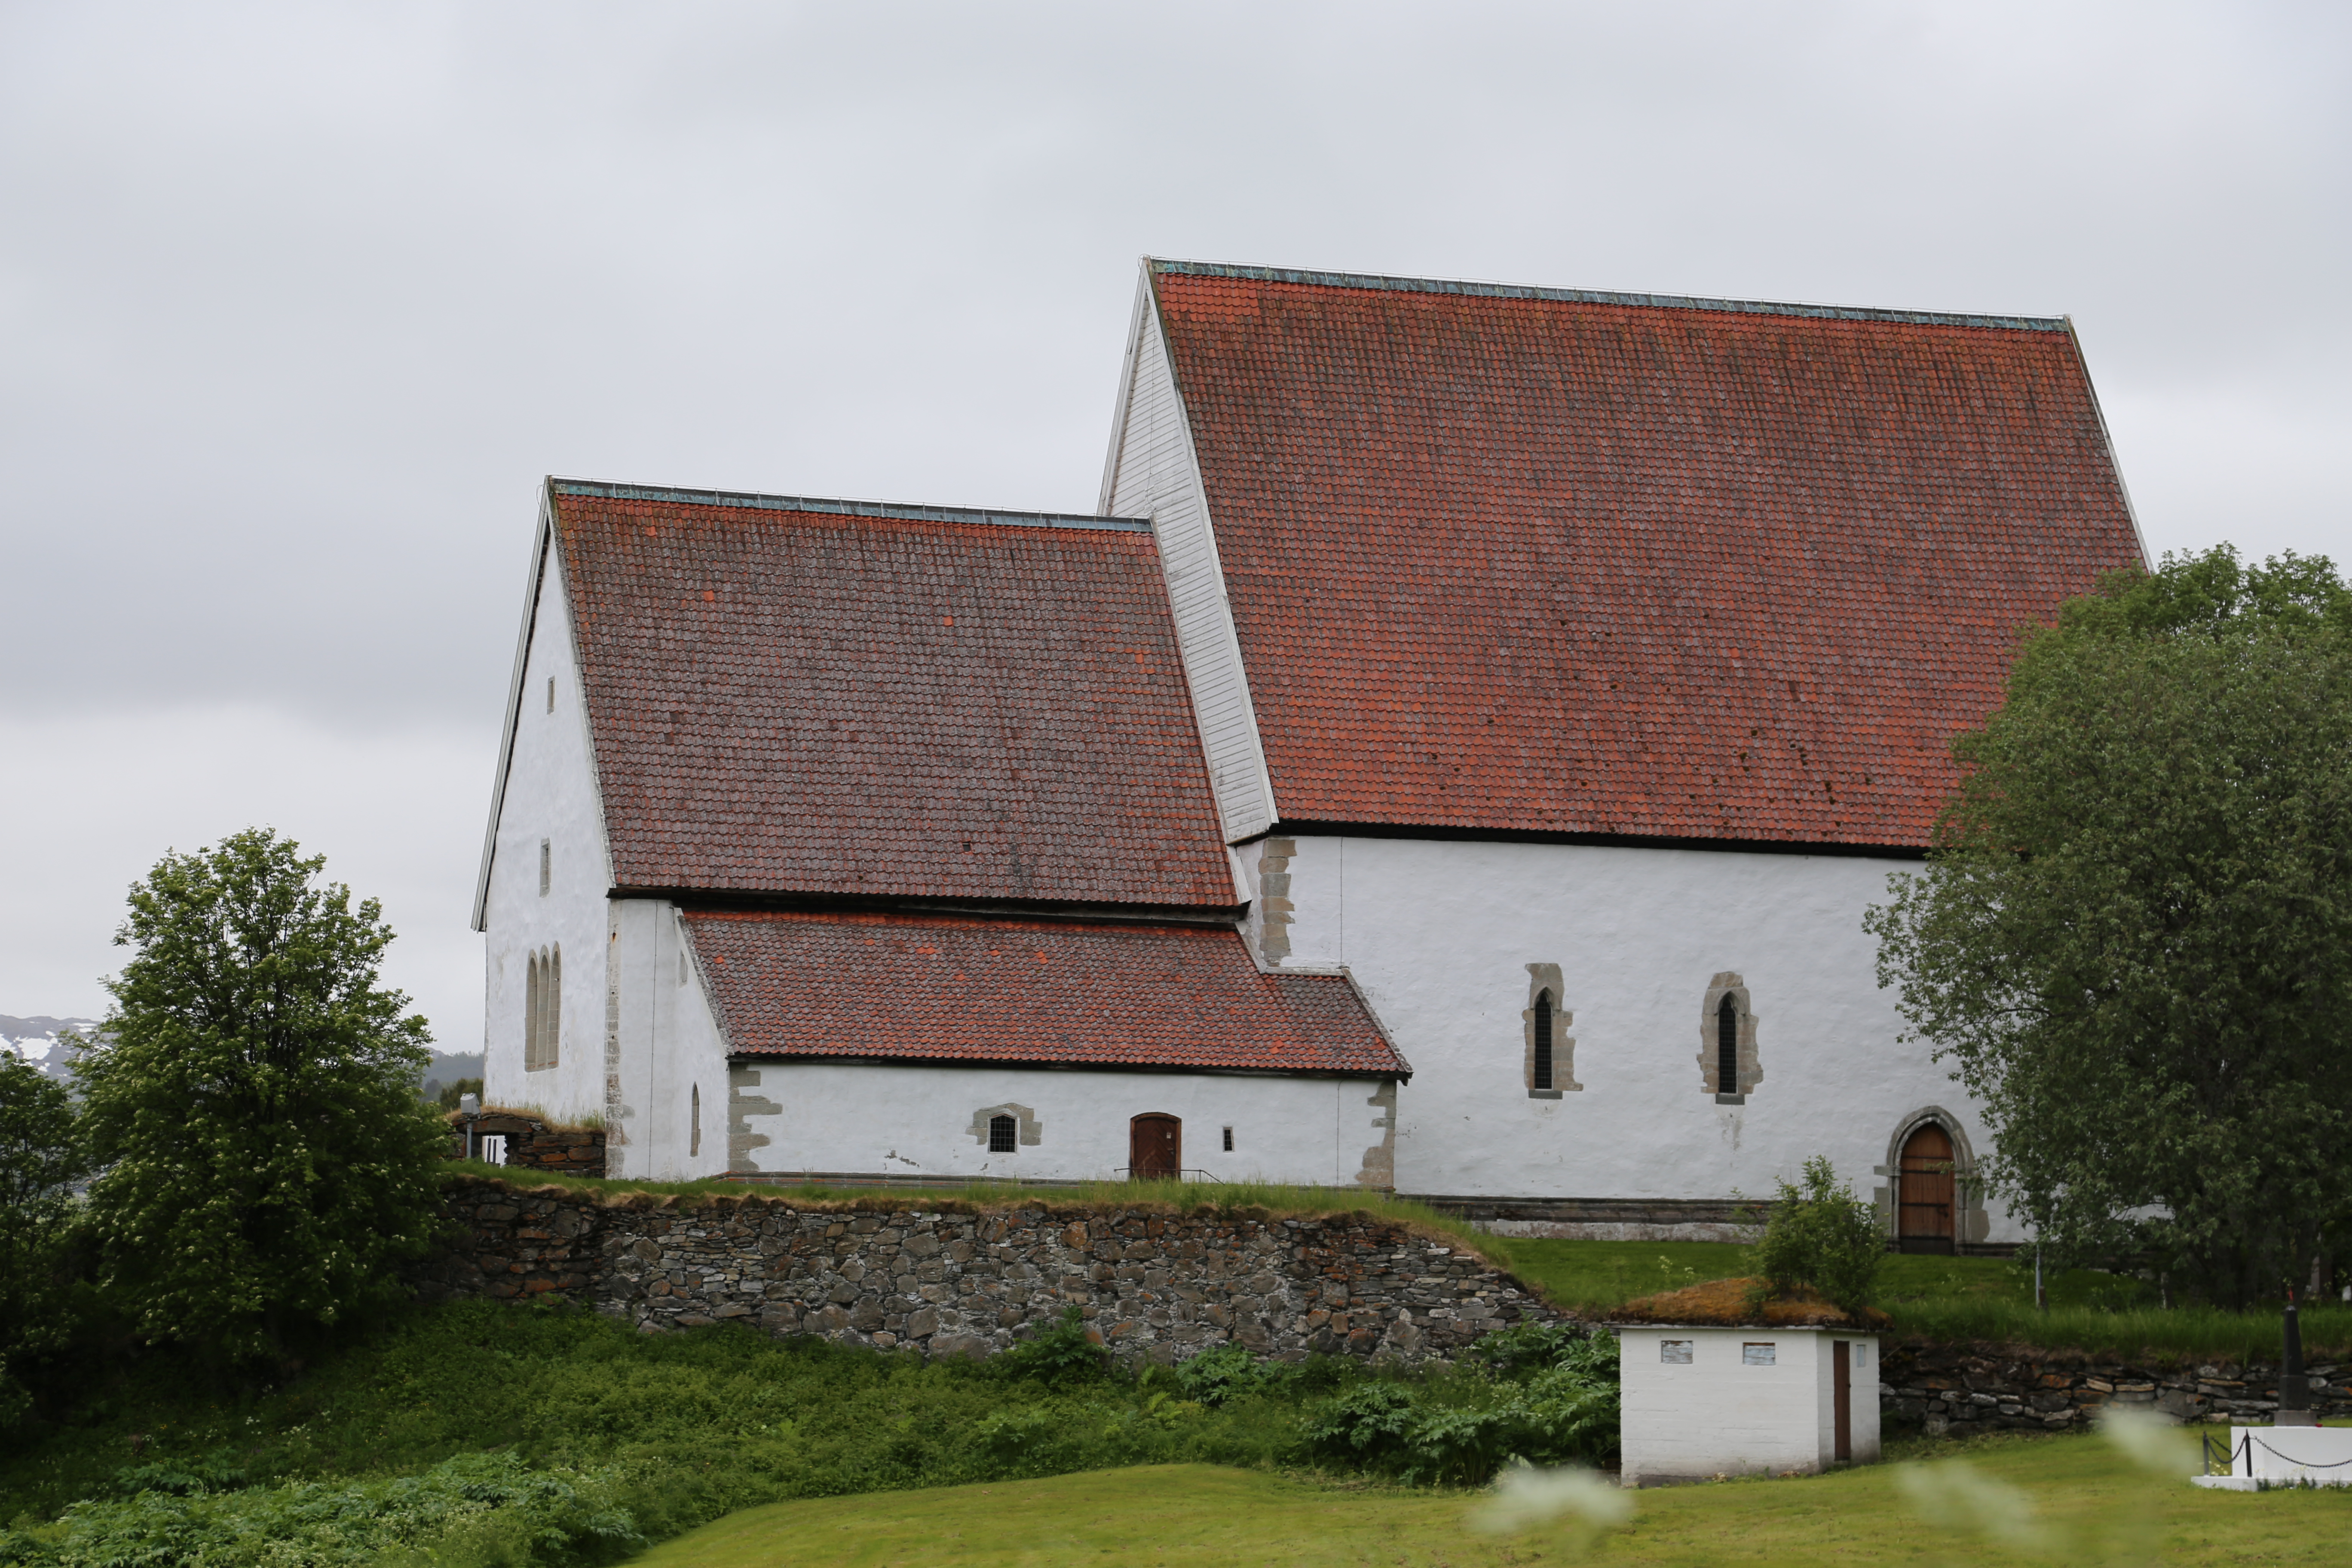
{"points": [[1926, 1192]]}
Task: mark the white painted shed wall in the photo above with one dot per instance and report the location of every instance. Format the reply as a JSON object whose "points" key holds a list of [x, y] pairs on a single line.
{"points": [[1152, 473], [1440, 934], [1719, 1417], [917, 1119], [551, 794]]}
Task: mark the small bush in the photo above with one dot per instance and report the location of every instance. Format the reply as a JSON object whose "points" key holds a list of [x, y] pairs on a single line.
{"points": [[1464, 1431], [1056, 1356], [1819, 1234], [1230, 1372]]}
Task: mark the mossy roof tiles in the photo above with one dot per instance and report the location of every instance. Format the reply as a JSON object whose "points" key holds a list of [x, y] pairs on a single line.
{"points": [[948, 988], [1520, 560], [858, 702]]}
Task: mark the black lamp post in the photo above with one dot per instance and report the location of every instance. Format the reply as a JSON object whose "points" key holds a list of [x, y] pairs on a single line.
{"points": [[2294, 1388]]}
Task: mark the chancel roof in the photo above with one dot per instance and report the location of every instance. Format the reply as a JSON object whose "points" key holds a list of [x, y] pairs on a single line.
{"points": [[1546, 560], [789, 696], [946, 988]]}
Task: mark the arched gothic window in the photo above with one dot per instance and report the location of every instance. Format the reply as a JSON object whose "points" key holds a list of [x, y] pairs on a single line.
{"points": [[1002, 1135], [1542, 1069], [1726, 1046], [543, 1009]]}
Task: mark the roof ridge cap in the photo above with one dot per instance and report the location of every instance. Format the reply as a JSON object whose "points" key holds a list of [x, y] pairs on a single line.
{"points": [[903, 510], [1481, 288]]}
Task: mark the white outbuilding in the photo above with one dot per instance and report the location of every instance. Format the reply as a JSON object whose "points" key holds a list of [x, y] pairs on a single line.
{"points": [[1705, 1400]]}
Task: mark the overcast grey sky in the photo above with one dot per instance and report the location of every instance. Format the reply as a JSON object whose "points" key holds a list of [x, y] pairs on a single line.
{"points": [[298, 302]]}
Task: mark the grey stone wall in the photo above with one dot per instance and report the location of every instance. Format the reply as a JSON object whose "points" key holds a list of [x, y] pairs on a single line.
{"points": [[1150, 1283], [1971, 1388]]}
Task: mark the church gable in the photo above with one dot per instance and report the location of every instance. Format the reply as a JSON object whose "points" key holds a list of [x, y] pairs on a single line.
{"points": [[1528, 560], [804, 697]]}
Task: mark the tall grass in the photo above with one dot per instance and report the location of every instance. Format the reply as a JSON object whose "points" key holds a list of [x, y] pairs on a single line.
{"points": [[2161, 1336]]}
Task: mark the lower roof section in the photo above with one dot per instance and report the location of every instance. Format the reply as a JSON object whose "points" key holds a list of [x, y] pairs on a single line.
{"points": [[942, 988]]}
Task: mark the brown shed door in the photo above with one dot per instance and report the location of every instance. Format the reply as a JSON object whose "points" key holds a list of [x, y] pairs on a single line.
{"points": [[1926, 1205], [1841, 1358], [1155, 1147]]}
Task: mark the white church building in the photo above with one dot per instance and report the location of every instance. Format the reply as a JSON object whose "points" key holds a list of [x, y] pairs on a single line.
{"points": [[1456, 758]]}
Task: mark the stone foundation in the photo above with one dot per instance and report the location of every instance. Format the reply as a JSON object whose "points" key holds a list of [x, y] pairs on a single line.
{"points": [[1962, 1389], [1151, 1283]]}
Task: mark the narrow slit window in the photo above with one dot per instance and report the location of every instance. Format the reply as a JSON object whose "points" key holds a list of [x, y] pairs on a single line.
{"points": [[694, 1122], [1542, 1071], [1726, 1046], [552, 1013], [546, 865], [1229, 1140], [531, 1013], [550, 694], [1002, 1135]]}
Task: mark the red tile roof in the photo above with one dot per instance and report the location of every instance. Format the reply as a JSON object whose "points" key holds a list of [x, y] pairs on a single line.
{"points": [[907, 703], [1027, 992], [1534, 560]]}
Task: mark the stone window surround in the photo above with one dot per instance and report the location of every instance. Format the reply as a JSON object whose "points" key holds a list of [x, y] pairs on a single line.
{"points": [[1543, 977], [1031, 1131], [1750, 1069]]}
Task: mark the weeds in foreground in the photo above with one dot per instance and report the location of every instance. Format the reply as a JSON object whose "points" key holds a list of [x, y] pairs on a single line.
{"points": [[476, 1433]]}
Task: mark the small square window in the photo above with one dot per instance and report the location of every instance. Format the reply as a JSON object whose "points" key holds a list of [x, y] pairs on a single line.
{"points": [[1229, 1140], [1753, 1355], [1002, 1131], [1675, 1352]]}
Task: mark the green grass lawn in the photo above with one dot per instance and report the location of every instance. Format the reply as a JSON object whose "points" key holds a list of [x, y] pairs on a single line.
{"points": [[2088, 1506]]}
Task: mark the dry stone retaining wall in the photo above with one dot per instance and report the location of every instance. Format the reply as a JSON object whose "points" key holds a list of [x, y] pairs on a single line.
{"points": [[1151, 1284], [1961, 1388]]}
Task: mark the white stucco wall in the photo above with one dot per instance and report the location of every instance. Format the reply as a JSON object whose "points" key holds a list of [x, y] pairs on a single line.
{"points": [[917, 1119], [1720, 1416], [551, 795], [1440, 936], [666, 1119]]}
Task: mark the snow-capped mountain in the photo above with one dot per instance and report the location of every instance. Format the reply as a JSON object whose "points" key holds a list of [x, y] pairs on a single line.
{"points": [[37, 1039]]}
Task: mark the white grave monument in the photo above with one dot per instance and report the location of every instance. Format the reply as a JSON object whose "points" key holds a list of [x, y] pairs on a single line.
{"points": [[1706, 1400]]}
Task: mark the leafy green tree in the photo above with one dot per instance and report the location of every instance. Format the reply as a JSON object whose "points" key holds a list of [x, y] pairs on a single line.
{"points": [[268, 1164], [41, 1159], [1818, 1233], [2133, 938]]}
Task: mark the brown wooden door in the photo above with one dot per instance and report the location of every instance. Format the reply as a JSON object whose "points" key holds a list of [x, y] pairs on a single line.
{"points": [[1841, 1358], [1924, 1208], [1155, 1147]]}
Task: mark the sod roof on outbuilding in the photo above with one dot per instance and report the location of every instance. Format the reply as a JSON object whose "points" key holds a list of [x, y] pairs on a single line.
{"points": [[1727, 1303], [838, 697], [1026, 993], [1555, 561]]}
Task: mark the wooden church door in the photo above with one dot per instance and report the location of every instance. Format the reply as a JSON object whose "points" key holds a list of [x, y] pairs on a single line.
{"points": [[1155, 1147], [1925, 1200]]}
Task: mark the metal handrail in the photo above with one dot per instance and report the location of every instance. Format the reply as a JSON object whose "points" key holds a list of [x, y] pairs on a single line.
{"points": [[1181, 1171]]}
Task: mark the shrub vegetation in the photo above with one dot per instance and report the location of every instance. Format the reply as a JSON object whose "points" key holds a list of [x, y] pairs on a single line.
{"points": [[265, 1162], [2134, 938], [481, 1433]]}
